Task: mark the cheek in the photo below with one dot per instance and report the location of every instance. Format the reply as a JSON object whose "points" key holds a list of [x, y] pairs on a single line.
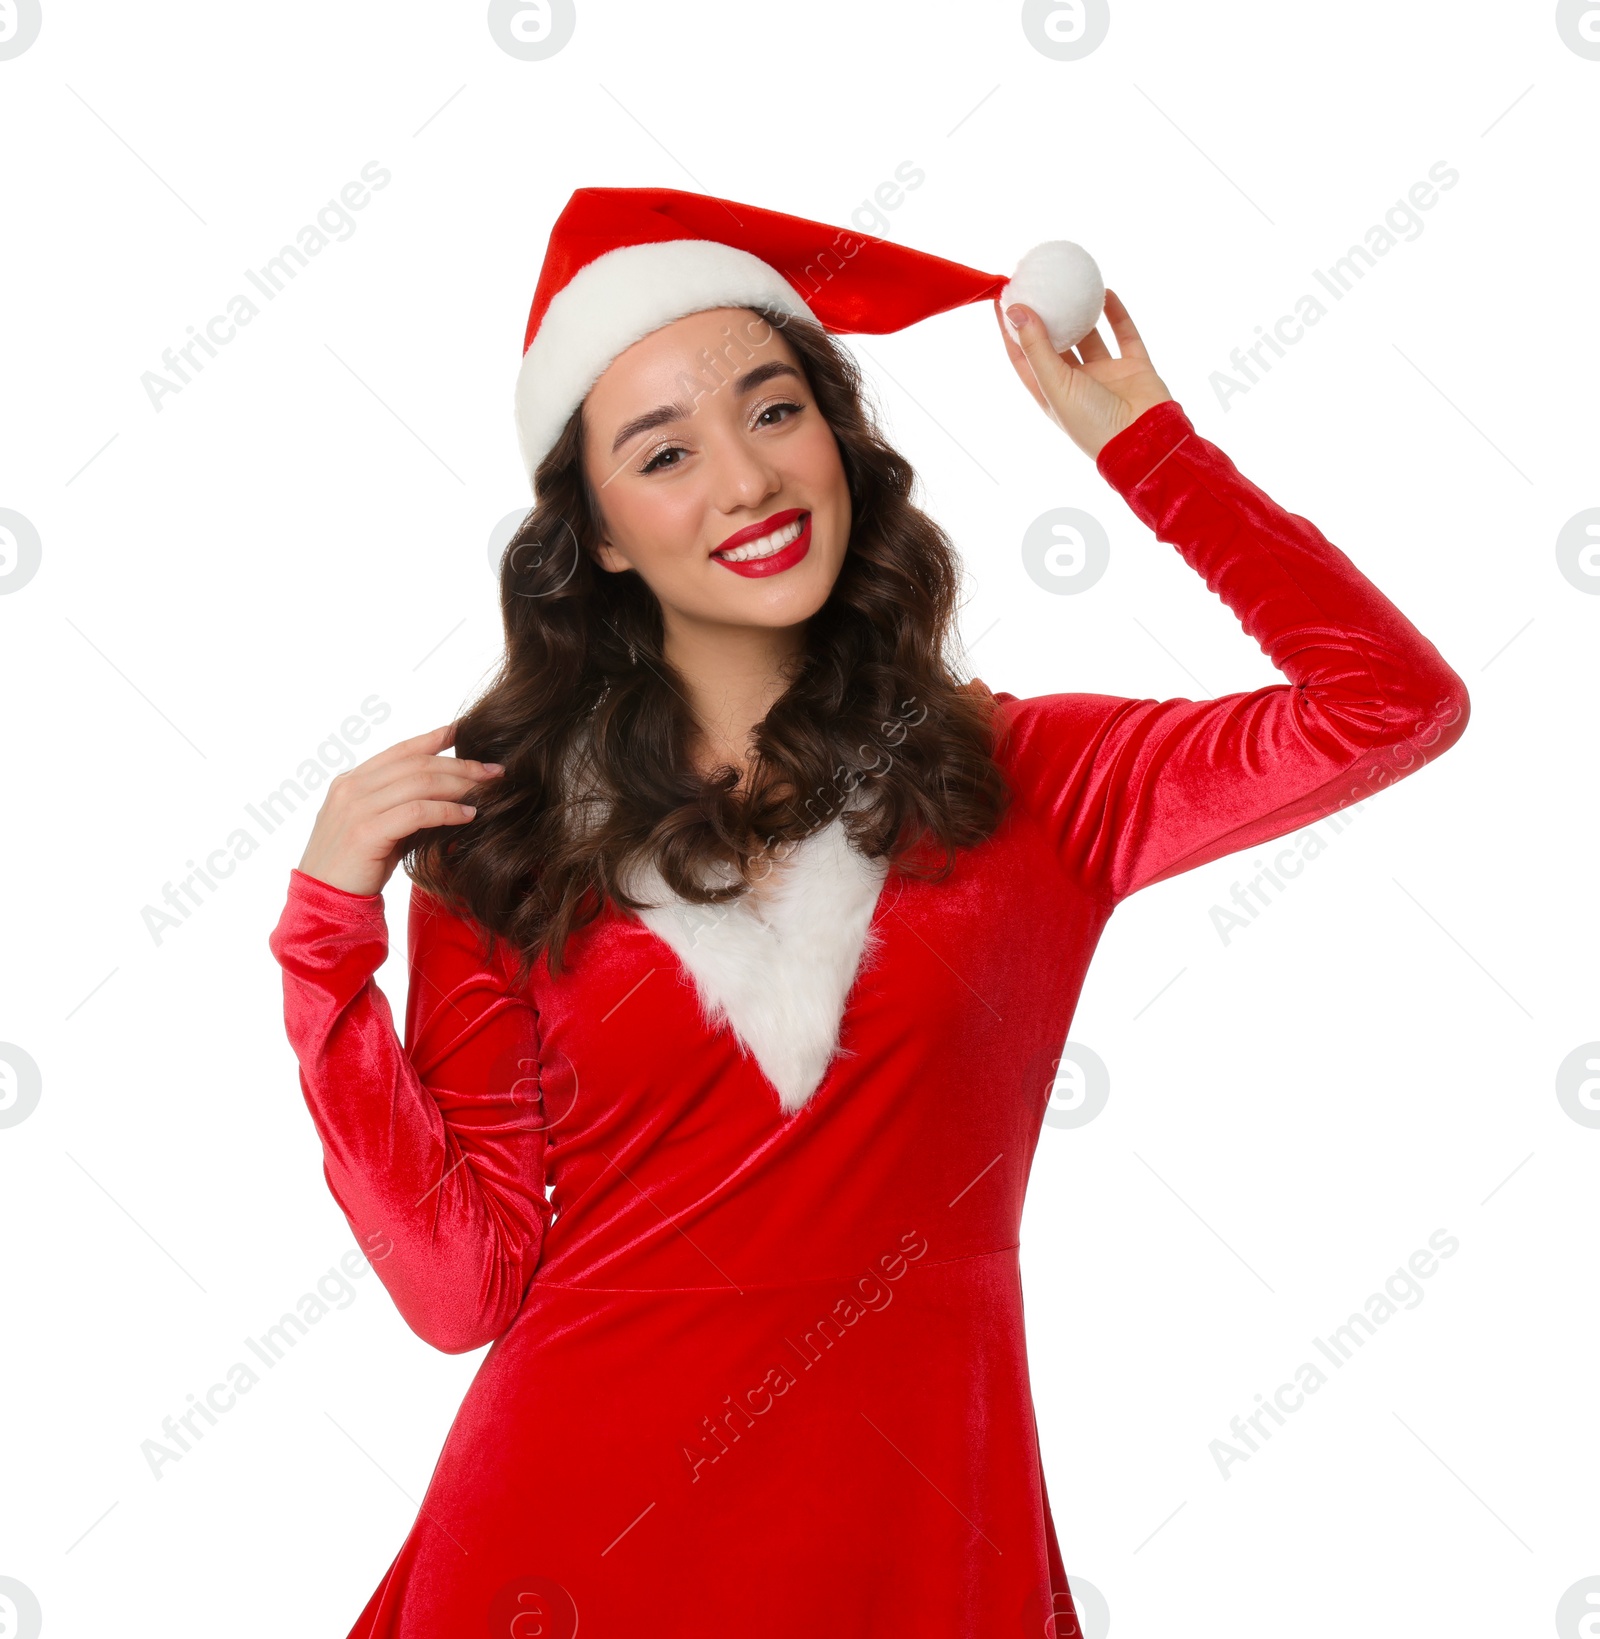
{"points": [[818, 466], [657, 528]]}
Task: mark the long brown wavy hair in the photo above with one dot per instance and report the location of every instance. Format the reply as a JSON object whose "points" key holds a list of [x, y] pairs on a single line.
{"points": [[598, 777]]}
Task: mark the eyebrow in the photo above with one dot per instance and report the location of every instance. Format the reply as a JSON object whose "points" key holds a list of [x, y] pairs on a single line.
{"points": [[664, 413]]}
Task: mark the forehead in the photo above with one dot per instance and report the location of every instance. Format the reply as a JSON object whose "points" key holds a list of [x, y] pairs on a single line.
{"points": [[653, 370]]}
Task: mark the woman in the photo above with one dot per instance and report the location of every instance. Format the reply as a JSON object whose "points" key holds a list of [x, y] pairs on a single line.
{"points": [[743, 946]]}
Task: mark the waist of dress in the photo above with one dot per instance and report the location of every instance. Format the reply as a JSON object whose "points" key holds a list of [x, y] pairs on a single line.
{"points": [[870, 1269]]}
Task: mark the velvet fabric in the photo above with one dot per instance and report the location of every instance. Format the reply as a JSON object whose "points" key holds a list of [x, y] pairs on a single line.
{"points": [[754, 1373]]}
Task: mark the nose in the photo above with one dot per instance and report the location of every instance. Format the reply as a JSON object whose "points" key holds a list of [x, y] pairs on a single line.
{"points": [[744, 477]]}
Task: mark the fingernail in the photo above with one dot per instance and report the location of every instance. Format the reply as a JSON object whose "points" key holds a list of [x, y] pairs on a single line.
{"points": [[495, 768], [1018, 315]]}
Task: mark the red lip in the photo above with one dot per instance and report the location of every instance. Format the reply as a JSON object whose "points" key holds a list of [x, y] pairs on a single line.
{"points": [[774, 564], [756, 531]]}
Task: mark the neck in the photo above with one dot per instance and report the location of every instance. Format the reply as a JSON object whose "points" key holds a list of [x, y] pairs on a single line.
{"points": [[734, 675]]}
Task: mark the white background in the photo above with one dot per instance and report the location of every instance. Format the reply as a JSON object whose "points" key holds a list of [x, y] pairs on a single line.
{"points": [[306, 525]]}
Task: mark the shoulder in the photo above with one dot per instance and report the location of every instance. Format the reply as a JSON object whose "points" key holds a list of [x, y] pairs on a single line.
{"points": [[1042, 741], [1022, 719]]}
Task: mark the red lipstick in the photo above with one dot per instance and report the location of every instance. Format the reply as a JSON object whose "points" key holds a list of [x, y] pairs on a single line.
{"points": [[776, 562]]}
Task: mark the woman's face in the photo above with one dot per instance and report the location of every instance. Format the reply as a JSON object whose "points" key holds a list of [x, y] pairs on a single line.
{"points": [[704, 431]]}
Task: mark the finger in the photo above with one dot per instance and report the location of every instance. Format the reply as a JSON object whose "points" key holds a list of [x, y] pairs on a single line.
{"points": [[438, 782], [382, 770], [1048, 365], [1093, 348], [394, 824], [1019, 358], [1067, 355], [1019, 361], [434, 740], [436, 777], [1013, 351], [1123, 328]]}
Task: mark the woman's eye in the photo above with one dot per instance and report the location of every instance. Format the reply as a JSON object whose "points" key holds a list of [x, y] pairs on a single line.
{"points": [[659, 462]]}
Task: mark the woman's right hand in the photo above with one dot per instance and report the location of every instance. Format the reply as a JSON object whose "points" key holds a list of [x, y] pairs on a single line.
{"points": [[372, 808], [1087, 392]]}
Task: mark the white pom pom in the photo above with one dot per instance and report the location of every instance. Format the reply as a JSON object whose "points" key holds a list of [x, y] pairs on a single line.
{"points": [[1060, 282]]}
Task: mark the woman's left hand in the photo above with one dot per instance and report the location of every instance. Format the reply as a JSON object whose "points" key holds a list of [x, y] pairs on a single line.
{"points": [[1087, 392]]}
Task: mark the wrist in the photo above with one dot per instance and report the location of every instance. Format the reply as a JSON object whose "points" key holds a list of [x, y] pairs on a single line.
{"points": [[305, 881], [327, 939], [1132, 453], [1125, 419]]}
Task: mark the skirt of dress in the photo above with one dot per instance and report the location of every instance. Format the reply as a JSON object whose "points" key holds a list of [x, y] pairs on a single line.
{"points": [[846, 1457]]}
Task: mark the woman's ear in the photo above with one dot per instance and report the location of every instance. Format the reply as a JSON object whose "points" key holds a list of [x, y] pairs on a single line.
{"points": [[610, 558]]}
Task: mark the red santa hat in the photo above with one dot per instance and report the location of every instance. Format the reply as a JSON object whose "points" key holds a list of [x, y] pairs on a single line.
{"points": [[622, 262]]}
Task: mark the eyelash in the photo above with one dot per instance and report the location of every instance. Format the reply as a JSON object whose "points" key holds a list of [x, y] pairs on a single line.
{"points": [[667, 449]]}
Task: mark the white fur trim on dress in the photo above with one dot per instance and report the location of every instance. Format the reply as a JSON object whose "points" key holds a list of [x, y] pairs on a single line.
{"points": [[618, 299], [779, 971]]}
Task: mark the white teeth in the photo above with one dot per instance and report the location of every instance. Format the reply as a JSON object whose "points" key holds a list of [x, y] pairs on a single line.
{"points": [[767, 545]]}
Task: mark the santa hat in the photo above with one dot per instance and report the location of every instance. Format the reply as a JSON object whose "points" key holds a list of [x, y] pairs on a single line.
{"points": [[622, 262]]}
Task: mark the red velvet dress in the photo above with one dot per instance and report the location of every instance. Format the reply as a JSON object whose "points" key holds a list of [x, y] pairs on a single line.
{"points": [[756, 1372]]}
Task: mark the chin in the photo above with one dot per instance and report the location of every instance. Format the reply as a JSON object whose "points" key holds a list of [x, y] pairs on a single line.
{"points": [[772, 603], [773, 614]]}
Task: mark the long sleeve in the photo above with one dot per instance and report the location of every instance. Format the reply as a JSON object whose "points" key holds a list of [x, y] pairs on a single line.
{"points": [[435, 1150], [1134, 791]]}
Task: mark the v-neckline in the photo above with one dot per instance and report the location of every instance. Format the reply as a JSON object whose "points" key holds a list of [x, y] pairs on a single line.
{"points": [[779, 975]]}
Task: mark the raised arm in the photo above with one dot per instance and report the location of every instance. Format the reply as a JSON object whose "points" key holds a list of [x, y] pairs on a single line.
{"points": [[1135, 791], [435, 1149]]}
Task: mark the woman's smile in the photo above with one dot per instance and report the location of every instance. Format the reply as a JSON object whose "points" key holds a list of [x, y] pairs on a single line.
{"points": [[768, 548]]}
